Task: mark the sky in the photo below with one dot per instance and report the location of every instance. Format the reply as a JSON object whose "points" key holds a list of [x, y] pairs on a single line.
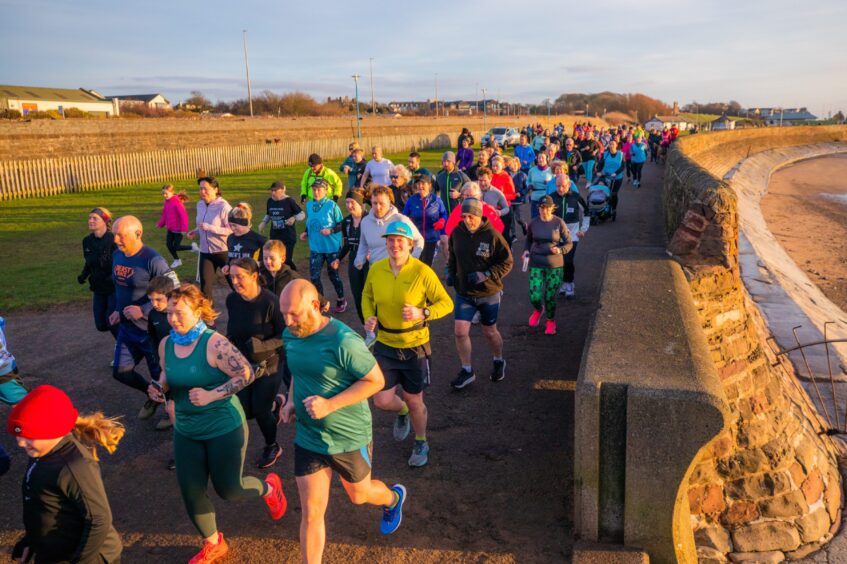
{"points": [[759, 53]]}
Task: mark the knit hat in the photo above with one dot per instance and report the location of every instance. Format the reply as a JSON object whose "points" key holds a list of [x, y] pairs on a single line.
{"points": [[44, 413], [315, 159], [449, 156], [356, 197], [472, 206]]}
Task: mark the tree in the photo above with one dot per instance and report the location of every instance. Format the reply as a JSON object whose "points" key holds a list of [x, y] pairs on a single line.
{"points": [[197, 102], [839, 116]]}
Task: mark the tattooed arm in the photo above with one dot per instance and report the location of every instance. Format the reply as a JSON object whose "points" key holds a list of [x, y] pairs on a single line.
{"points": [[223, 355]]}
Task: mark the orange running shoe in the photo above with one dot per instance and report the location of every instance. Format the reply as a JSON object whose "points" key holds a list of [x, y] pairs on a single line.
{"points": [[211, 552], [277, 504]]}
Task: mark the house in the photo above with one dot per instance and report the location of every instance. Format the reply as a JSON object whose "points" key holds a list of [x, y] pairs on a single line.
{"points": [[660, 122], [27, 99], [782, 116], [154, 101], [722, 123]]}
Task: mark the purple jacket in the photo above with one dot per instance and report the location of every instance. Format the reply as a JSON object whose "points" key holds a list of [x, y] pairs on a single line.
{"points": [[464, 158]]}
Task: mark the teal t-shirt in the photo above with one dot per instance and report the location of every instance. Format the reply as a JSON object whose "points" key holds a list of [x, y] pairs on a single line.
{"points": [[325, 364], [195, 422]]}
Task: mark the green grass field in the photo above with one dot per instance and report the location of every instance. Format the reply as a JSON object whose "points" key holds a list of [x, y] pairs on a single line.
{"points": [[40, 238]]}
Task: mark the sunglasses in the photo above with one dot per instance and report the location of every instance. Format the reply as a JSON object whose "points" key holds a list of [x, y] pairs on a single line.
{"points": [[394, 176]]}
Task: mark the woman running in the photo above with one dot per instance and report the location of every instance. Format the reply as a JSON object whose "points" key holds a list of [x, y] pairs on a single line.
{"points": [[204, 371], [400, 186], [351, 230], [255, 327], [427, 212], [175, 219], [213, 229], [66, 512], [547, 241], [537, 180], [638, 153], [464, 157], [97, 249], [243, 242]]}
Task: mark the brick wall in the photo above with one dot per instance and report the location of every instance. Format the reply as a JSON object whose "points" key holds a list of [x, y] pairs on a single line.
{"points": [[768, 489]]}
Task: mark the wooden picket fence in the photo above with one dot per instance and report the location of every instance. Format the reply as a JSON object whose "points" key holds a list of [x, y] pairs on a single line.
{"points": [[46, 177]]}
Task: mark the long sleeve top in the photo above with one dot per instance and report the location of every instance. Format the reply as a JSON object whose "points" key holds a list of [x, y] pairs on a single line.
{"points": [[484, 250], [255, 327], [174, 217], [542, 237], [323, 214], [573, 209], [97, 253], [372, 244], [216, 215], [430, 218], [350, 233], [464, 158]]}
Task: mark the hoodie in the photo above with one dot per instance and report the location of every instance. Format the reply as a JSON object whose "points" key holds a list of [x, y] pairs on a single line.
{"points": [[216, 214], [372, 245], [174, 216], [485, 250], [323, 214]]}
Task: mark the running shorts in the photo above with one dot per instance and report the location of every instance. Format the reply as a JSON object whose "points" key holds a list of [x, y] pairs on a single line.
{"points": [[353, 467], [408, 368], [488, 308]]}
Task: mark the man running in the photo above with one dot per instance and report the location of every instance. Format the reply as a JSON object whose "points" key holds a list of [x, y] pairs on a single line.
{"points": [[525, 154], [449, 182], [134, 264], [333, 375], [372, 228], [477, 261], [317, 171], [589, 148], [416, 170], [401, 296]]}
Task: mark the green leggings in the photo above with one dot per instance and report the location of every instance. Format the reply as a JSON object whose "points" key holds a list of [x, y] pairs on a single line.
{"points": [[222, 459], [543, 285]]}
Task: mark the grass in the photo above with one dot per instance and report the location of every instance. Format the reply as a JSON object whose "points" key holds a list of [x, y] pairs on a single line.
{"points": [[41, 238]]}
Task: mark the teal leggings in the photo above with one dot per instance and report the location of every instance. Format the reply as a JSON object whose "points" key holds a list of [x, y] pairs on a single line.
{"points": [[222, 459], [543, 285]]}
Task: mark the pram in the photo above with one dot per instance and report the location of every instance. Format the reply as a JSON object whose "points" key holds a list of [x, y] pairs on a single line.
{"points": [[599, 202]]}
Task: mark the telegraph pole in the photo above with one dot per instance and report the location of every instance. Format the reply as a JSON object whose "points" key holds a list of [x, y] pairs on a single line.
{"points": [[436, 95], [484, 111], [247, 67], [373, 103], [358, 119], [476, 96]]}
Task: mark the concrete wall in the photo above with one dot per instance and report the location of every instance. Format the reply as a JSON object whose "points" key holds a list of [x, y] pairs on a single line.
{"points": [[768, 489]]}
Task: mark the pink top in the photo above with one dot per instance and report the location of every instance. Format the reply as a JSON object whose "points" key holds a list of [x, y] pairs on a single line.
{"points": [[174, 216], [626, 150]]}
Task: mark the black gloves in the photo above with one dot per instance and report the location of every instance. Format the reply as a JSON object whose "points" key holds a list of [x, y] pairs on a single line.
{"points": [[81, 278], [478, 277], [302, 199]]}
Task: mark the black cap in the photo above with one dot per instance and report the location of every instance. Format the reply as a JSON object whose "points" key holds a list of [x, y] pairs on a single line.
{"points": [[315, 159], [546, 202], [320, 182]]}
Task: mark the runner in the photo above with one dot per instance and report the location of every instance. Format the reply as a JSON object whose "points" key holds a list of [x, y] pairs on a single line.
{"points": [[158, 328], [537, 180], [97, 249], [572, 159], [66, 512], [449, 181], [402, 295], [612, 166], [371, 244], [477, 261], [317, 171], [519, 181], [334, 375], [427, 212], [213, 229], [254, 326], [243, 242], [377, 170], [415, 168], [502, 180], [638, 153], [354, 165], [525, 154], [465, 155], [471, 190], [401, 186], [204, 371], [282, 213], [627, 155], [175, 219], [351, 229], [589, 150], [570, 206], [482, 162], [12, 389], [465, 136], [323, 231], [547, 241], [134, 264]]}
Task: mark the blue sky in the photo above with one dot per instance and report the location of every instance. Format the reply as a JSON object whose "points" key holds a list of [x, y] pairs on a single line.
{"points": [[776, 53]]}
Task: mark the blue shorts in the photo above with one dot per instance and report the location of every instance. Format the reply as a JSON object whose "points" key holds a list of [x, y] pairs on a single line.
{"points": [[12, 391], [488, 308]]}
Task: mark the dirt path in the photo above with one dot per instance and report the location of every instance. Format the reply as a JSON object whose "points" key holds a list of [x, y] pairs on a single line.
{"points": [[499, 484], [806, 210]]}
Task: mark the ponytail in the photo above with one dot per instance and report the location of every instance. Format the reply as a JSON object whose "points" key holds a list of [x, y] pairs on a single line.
{"points": [[183, 197], [96, 429]]}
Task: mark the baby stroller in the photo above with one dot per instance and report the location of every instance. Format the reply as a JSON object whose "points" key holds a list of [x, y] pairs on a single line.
{"points": [[599, 202]]}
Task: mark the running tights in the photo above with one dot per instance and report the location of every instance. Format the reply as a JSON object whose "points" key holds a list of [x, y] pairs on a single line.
{"points": [[543, 286], [569, 267], [221, 459], [428, 252], [209, 265], [357, 279], [636, 171], [616, 186], [257, 400], [173, 240]]}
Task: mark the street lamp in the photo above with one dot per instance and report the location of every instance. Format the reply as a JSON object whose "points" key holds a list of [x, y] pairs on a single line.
{"points": [[373, 103], [247, 67], [436, 95], [358, 119], [484, 111]]}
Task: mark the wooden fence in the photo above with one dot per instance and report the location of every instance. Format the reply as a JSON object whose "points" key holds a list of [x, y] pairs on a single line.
{"points": [[46, 177]]}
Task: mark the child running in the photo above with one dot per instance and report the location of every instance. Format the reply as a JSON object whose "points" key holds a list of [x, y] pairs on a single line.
{"points": [[175, 219], [11, 388]]}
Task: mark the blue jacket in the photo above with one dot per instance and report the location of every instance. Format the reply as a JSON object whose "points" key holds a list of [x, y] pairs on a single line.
{"points": [[435, 212], [638, 151], [612, 165], [526, 155], [520, 180], [323, 214]]}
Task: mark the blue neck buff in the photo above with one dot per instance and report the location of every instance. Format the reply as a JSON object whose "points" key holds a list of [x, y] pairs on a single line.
{"points": [[191, 336]]}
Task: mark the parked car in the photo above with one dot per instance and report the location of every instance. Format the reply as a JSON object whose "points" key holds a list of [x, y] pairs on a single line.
{"points": [[504, 136]]}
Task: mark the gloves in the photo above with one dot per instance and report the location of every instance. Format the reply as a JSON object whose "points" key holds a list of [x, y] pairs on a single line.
{"points": [[302, 199], [18, 550], [478, 277], [81, 278], [439, 225], [335, 199]]}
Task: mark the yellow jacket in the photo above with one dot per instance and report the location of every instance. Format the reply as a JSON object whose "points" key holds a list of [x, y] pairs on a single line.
{"points": [[384, 296]]}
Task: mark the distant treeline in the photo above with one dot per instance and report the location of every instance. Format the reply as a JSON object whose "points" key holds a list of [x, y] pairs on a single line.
{"points": [[637, 105]]}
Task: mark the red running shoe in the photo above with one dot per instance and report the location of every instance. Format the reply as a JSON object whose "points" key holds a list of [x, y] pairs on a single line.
{"points": [[211, 552], [277, 504]]}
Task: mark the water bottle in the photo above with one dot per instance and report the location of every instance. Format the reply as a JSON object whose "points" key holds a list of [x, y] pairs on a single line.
{"points": [[525, 264], [370, 339]]}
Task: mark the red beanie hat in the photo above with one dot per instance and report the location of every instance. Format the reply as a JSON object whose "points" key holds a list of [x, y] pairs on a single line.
{"points": [[44, 413]]}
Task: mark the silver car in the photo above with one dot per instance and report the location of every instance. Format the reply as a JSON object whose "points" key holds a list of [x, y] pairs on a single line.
{"points": [[504, 136]]}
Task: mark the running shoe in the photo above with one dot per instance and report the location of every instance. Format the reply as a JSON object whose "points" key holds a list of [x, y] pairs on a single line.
{"points": [[211, 552], [270, 454], [341, 305], [393, 516], [171, 464], [277, 504], [401, 427], [570, 291], [464, 378], [535, 318], [499, 370], [164, 424], [550, 327], [176, 264], [420, 454], [148, 409], [563, 288], [195, 248]]}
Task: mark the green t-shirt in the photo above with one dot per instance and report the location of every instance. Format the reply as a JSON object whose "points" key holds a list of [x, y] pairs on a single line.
{"points": [[195, 422], [325, 364]]}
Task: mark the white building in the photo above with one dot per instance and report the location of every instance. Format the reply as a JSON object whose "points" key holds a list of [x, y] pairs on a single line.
{"points": [[660, 122], [722, 123], [154, 101], [27, 99]]}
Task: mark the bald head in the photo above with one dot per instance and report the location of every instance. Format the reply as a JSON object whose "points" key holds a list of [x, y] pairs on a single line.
{"points": [[300, 306], [128, 232]]}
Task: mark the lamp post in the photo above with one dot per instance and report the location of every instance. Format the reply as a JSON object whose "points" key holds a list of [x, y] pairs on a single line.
{"points": [[247, 67], [358, 122], [436, 95], [476, 96], [484, 111], [373, 103]]}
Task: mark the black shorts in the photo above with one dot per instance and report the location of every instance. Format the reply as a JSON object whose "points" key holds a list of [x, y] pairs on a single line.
{"points": [[408, 368], [353, 467]]}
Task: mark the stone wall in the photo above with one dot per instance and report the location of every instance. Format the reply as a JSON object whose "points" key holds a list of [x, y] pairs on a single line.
{"points": [[768, 489]]}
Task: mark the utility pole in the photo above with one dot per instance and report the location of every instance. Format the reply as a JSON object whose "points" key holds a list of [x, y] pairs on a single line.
{"points": [[484, 111], [436, 95], [476, 97], [247, 67], [358, 119], [373, 103]]}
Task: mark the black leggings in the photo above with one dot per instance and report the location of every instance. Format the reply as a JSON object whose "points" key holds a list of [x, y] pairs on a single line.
{"points": [[173, 241], [636, 171], [357, 283], [616, 186], [428, 252], [209, 265], [257, 400], [569, 267], [628, 168]]}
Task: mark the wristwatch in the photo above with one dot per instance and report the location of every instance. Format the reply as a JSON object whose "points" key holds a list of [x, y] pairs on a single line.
{"points": [[426, 312]]}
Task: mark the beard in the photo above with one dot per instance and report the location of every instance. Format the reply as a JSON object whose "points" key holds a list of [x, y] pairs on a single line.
{"points": [[304, 328]]}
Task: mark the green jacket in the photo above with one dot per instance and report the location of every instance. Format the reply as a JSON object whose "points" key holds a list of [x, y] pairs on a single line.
{"points": [[335, 186]]}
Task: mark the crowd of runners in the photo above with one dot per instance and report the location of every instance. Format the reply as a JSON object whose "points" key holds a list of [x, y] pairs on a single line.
{"points": [[282, 357]]}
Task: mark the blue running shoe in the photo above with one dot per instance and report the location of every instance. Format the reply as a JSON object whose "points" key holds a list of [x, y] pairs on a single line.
{"points": [[391, 517]]}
